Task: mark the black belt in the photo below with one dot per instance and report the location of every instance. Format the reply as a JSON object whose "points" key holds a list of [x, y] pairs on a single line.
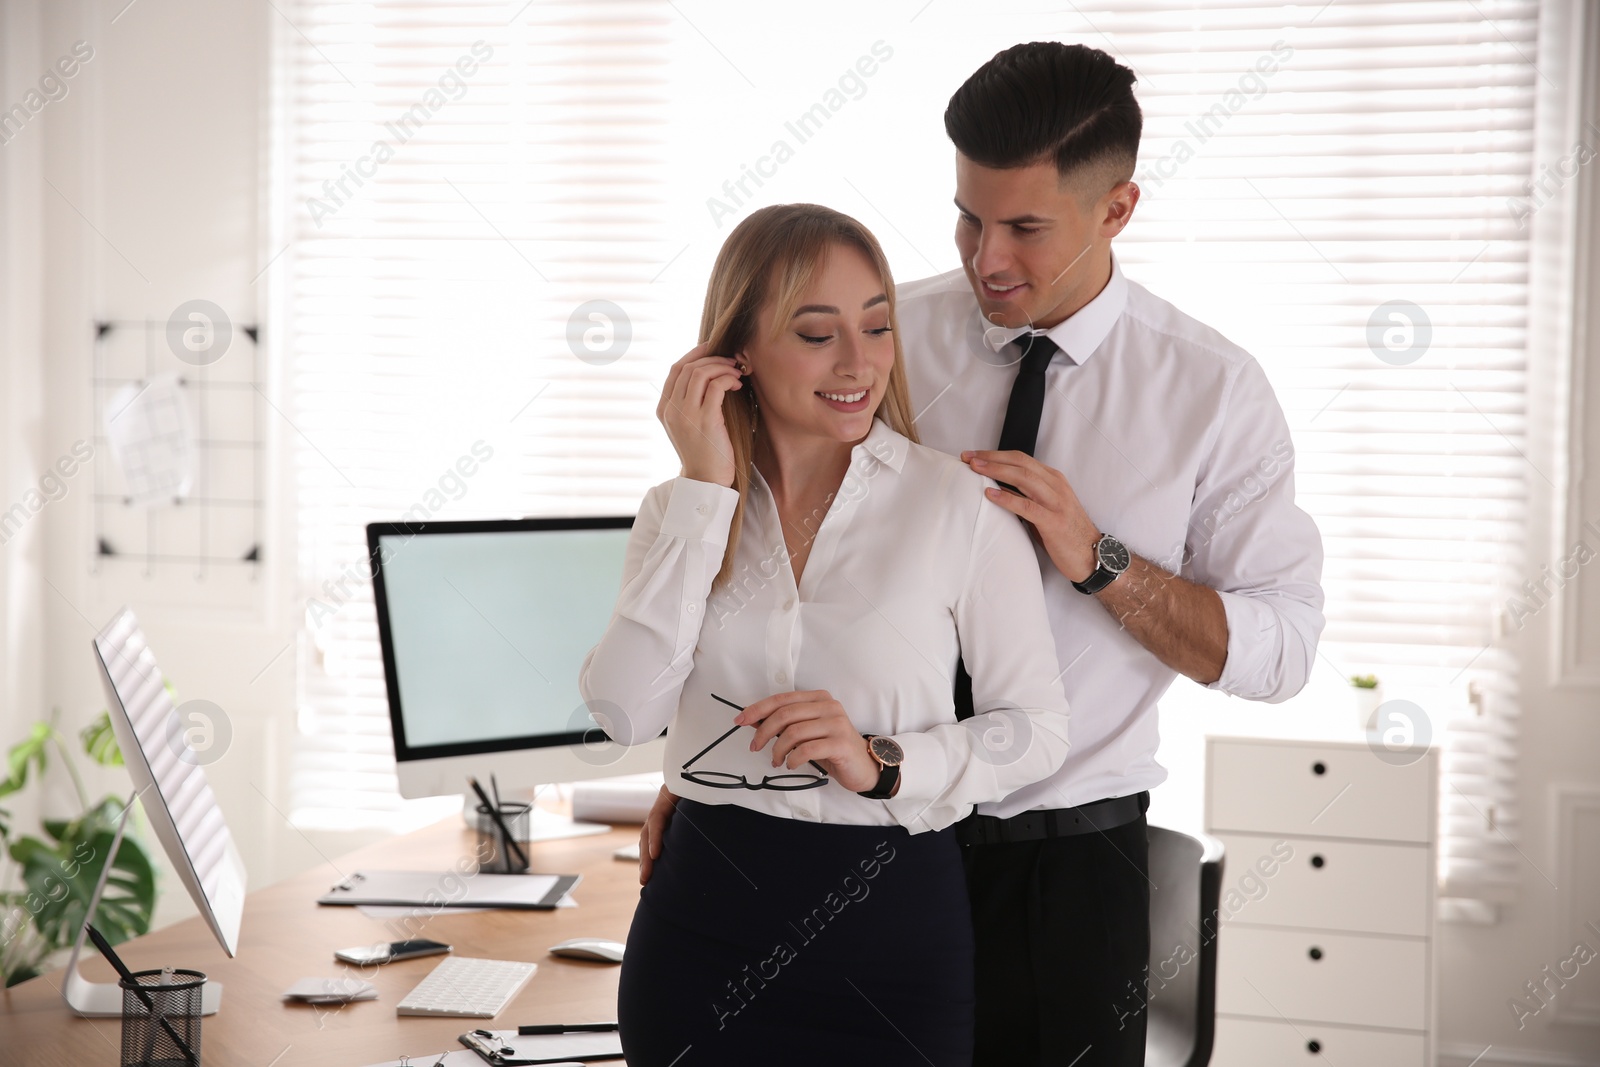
{"points": [[1055, 822]]}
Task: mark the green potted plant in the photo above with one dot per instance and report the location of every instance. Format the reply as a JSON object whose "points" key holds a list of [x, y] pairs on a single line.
{"points": [[58, 871]]}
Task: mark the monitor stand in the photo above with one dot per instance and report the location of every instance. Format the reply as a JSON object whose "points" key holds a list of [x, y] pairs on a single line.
{"points": [[99, 1000], [543, 825]]}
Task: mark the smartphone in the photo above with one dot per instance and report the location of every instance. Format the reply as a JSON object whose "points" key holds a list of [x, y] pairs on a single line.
{"points": [[390, 951]]}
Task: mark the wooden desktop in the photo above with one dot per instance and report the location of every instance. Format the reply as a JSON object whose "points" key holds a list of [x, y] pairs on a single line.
{"points": [[287, 936]]}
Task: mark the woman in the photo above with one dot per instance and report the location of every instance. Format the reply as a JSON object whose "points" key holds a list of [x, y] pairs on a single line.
{"points": [[794, 606]]}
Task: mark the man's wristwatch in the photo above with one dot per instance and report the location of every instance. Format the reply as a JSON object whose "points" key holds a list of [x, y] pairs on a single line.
{"points": [[887, 751], [1111, 559]]}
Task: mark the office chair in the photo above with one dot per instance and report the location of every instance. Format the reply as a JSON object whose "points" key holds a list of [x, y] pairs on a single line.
{"points": [[1182, 983]]}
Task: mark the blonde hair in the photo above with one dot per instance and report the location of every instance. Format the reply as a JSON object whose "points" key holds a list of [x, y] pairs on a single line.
{"points": [[781, 248]]}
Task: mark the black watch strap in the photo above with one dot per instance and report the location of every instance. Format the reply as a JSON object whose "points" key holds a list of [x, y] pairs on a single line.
{"points": [[1096, 581], [884, 790]]}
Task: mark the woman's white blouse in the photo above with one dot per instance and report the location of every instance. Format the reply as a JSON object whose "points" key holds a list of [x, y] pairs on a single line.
{"points": [[911, 566]]}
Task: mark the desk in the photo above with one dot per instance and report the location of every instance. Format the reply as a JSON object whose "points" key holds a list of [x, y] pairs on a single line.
{"points": [[286, 935]]}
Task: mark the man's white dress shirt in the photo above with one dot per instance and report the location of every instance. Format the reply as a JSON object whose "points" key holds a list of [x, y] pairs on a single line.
{"points": [[1175, 443], [911, 568]]}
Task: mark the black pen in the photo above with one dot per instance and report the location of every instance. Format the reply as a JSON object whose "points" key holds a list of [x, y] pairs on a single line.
{"points": [[564, 1028]]}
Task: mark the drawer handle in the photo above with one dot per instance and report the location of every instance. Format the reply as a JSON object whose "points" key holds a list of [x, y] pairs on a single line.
{"points": [[1319, 768], [1315, 953], [1317, 861], [1313, 1046]]}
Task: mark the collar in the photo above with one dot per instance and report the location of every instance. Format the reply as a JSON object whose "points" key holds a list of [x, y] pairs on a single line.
{"points": [[1081, 334], [884, 444]]}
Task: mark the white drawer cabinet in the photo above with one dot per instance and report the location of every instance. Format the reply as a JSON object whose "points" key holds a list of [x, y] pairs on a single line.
{"points": [[1312, 1045], [1326, 790], [1312, 974], [1329, 884], [1326, 953]]}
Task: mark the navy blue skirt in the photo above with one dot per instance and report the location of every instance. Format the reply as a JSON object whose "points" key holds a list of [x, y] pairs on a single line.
{"points": [[764, 940]]}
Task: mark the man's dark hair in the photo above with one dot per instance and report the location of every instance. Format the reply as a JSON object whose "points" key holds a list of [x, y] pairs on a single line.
{"points": [[1047, 101]]}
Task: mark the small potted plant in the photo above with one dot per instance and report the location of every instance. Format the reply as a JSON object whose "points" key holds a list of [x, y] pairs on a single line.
{"points": [[1368, 695]]}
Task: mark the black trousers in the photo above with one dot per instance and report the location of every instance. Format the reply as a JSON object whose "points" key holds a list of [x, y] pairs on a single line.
{"points": [[1062, 929], [768, 941]]}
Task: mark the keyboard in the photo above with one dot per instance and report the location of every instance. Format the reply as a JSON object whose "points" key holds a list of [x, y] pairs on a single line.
{"points": [[461, 985]]}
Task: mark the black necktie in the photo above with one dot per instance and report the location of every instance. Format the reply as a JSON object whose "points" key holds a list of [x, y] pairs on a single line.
{"points": [[1019, 432]]}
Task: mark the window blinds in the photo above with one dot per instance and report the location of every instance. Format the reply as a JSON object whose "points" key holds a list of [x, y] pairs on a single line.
{"points": [[1337, 191], [1309, 174], [463, 185]]}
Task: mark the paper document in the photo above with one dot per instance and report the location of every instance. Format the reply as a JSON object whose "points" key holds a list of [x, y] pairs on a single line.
{"points": [[460, 1057], [152, 438], [435, 889], [540, 1048], [505, 1048], [411, 911]]}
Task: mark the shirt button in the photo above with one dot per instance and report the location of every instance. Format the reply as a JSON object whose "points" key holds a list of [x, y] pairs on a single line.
{"points": [[701, 508], [691, 608], [780, 677], [804, 813], [788, 605]]}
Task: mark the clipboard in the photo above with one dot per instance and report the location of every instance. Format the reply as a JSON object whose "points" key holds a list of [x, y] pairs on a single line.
{"points": [[543, 1048], [432, 889]]}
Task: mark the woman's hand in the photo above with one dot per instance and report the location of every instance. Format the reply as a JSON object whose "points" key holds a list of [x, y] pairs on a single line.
{"points": [[810, 725], [691, 411], [654, 828]]}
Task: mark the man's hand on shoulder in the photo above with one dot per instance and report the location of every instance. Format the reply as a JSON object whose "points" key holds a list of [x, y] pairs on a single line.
{"points": [[1181, 623], [1045, 499]]}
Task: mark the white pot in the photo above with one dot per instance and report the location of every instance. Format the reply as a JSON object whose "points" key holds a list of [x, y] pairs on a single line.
{"points": [[1366, 701]]}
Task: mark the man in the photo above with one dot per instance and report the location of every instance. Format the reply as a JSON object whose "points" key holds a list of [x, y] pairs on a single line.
{"points": [[1152, 461]]}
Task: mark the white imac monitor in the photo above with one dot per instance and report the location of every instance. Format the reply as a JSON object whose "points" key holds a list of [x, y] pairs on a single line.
{"points": [[170, 778], [484, 627]]}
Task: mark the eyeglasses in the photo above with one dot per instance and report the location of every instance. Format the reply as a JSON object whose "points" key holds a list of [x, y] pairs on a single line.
{"points": [[724, 780]]}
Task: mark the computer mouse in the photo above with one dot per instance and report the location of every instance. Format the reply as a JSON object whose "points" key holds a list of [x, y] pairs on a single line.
{"points": [[589, 948]]}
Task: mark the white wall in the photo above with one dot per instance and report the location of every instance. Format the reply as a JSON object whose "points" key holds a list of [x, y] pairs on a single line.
{"points": [[157, 155], [160, 148], [21, 394]]}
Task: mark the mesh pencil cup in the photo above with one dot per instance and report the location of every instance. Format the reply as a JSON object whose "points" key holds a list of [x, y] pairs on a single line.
{"points": [[495, 855], [161, 1018]]}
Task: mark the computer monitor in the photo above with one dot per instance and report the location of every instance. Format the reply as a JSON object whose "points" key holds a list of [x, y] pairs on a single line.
{"points": [[484, 627], [170, 778]]}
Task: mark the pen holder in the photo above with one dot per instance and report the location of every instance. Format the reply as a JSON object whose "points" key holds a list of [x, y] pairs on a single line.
{"points": [[495, 855], [161, 1027]]}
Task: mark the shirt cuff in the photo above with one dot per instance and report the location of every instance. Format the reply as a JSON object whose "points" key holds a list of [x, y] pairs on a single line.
{"points": [[923, 776], [699, 511], [1252, 640]]}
